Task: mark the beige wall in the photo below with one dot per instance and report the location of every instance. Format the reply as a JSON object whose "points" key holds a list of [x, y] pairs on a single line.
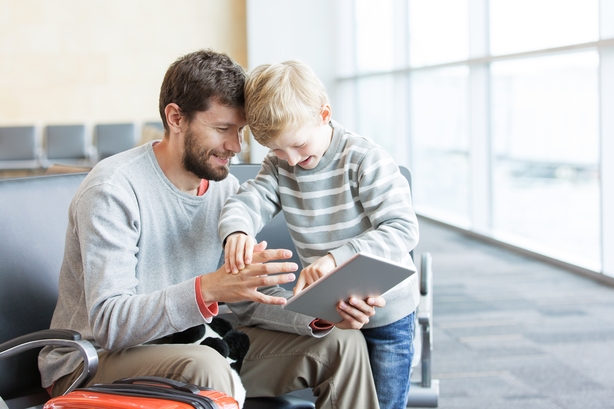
{"points": [[96, 61]]}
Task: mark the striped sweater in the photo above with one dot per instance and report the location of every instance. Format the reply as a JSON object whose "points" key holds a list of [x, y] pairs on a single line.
{"points": [[355, 200]]}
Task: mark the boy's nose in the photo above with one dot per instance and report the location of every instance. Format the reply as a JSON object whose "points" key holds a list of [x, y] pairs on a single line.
{"points": [[293, 158]]}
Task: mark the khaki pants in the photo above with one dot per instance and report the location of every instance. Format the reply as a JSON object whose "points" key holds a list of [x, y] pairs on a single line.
{"points": [[195, 364], [336, 367]]}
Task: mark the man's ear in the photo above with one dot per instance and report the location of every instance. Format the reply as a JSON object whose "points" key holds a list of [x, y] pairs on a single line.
{"points": [[326, 113], [173, 117]]}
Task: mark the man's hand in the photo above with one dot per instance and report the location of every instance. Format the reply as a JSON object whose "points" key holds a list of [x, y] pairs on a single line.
{"points": [[314, 272], [219, 286], [356, 312], [238, 251]]}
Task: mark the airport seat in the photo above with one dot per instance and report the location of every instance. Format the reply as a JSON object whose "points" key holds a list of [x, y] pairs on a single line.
{"points": [[33, 219], [66, 145], [113, 138], [155, 124], [18, 147], [151, 131]]}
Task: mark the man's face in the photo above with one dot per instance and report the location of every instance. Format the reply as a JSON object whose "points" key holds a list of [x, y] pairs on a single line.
{"points": [[212, 138]]}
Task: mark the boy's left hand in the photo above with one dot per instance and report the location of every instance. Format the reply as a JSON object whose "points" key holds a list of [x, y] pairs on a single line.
{"points": [[313, 272], [356, 312]]}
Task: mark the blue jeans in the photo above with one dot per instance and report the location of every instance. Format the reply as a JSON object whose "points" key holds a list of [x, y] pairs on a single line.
{"points": [[391, 351]]}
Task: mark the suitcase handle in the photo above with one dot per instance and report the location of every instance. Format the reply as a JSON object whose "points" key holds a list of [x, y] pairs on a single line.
{"points": [[180, 386]]}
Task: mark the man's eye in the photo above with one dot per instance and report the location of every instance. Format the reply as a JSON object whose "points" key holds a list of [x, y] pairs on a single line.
{"points": [[222, 130]]}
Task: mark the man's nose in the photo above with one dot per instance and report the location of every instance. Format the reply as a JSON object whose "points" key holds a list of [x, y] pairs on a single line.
{"points": [[233, 143]]}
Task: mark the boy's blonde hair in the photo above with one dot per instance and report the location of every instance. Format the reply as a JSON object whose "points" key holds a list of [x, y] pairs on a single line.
{"points": [[281, 97]]}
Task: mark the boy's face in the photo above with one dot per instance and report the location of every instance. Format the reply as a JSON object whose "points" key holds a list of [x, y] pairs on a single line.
{"points": [[305, 146]]}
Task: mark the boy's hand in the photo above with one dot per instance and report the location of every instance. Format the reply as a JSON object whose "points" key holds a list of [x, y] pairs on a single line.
{"points": [[313, 272], [238, 251], [356, 313]]}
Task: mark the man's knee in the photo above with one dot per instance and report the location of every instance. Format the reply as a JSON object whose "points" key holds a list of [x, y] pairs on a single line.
{"points": [[202, 366]]}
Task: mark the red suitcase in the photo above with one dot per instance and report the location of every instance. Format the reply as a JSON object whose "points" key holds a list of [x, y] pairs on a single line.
{"points": [[143, 393]]}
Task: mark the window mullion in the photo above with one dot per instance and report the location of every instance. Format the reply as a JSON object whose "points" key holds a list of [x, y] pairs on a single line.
{"points": [[479, 120], [606, 85]]}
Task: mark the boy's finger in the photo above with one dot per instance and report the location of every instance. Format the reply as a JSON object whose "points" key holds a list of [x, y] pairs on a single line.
{"points": [[239, 254], [235, 248], [227, 253], [249, 248], [376, 302], [258, 247], [300, 284], [353, 316]]}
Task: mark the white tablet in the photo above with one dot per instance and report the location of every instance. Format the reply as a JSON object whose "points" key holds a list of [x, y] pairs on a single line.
{"points": [[362, 276]]}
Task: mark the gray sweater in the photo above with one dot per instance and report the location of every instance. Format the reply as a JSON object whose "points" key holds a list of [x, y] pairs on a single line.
{"points": [[134, 247], [355, 200]]}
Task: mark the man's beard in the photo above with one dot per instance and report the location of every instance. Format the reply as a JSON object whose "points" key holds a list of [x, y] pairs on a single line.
{"points": [[196, 160]]}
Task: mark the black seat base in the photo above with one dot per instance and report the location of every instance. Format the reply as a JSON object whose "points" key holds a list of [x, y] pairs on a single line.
{"points": [[278, 402]]}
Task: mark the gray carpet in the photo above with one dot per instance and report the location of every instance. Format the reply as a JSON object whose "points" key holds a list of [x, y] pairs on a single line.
{"points": [[513, 332]]}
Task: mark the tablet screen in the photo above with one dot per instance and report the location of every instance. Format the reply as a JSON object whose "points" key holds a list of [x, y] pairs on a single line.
{"points": [[362, 276]]}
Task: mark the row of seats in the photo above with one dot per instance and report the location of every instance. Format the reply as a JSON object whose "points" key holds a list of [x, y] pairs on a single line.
{"points": [[22, 148]]}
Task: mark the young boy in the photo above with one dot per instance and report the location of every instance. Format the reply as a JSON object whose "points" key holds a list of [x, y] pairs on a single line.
{"points": [[341, 194]]}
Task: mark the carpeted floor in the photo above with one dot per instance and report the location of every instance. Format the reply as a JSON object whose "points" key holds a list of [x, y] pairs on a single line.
{"points": [[513, 332]]}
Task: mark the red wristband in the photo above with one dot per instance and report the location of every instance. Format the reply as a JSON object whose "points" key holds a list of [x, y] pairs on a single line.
{"points": [[208, 311]]}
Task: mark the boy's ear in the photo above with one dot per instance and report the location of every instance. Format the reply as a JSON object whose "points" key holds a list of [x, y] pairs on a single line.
{"points": [[326, 113]]}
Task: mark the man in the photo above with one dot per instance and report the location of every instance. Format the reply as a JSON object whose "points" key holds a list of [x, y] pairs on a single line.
{"points": [[143, 260]]}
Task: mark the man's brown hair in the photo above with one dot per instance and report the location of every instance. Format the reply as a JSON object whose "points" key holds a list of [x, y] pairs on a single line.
{"points": [[196, 79]]}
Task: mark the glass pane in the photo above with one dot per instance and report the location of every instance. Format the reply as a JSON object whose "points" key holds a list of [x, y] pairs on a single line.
{"points": [[376, 113], [524, 25], [440, 143], [374, 35], [546, 145], [438, 31], [345, 104]]}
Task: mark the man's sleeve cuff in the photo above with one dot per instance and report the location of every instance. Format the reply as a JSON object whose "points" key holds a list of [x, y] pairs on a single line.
{"points": [[207, 311], [318, 325]]}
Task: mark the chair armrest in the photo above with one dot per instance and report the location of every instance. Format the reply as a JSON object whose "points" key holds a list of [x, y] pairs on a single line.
{"points": [[427, 347], [426, 274], [40, 335], [425, 317], [425, 392], [55, 337]]}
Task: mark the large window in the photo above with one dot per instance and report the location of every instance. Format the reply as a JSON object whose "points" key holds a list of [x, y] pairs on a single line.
{"points": [[377, 120], [438, 31], [545, 134], [375, 37], [527, 25], [499, 108], [440, 157]]}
